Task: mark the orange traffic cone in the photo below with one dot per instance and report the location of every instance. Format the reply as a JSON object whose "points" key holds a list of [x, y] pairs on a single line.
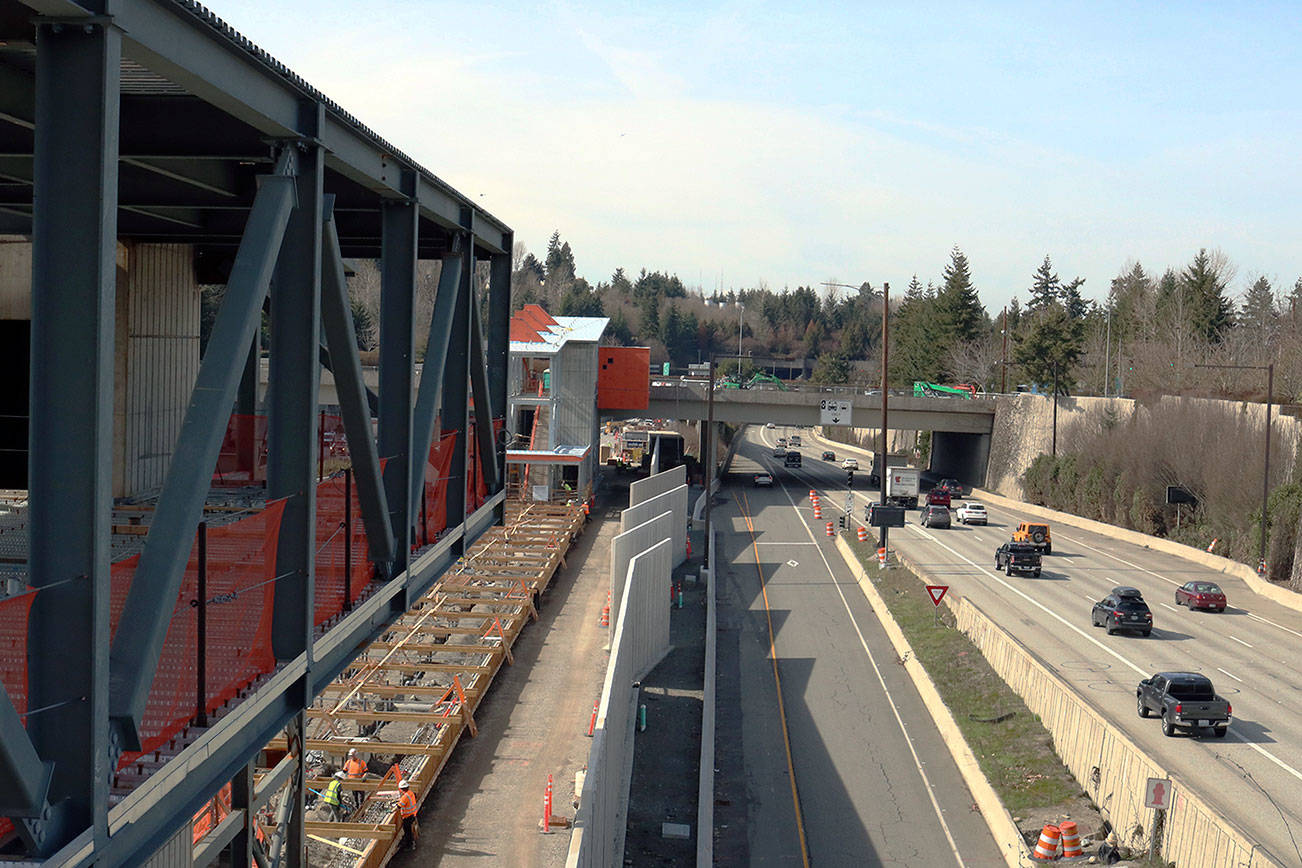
{"points": [[818, 512], [1071, 848], [605, 612], [1046, 849], [592, 724], [862, 533], [830, 532], [812, 494], [1215, 540]]}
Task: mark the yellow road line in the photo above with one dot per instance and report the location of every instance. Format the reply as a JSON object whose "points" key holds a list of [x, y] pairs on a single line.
{"points": [[777, 680]]}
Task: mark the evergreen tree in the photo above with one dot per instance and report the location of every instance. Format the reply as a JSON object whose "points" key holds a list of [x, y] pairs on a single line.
{"points": [[914, 289], [831, 368], [579, 300], [914, 340], [1259, 312], [1045, 286], [1051, 340], [620, 283], [1295, 299], [1133, 302], [958, 307], [1014, 315], [1072, 302], [1209, 311], [618, 332]]}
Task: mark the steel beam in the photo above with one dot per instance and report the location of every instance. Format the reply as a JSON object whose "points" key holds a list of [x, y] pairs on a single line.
{"points": [[346, 366], [430, 393], [24, 779], [487, 451], [147, 612], [454, 406], [74, 275], [295, 376], [397, 342], [499, 331]]}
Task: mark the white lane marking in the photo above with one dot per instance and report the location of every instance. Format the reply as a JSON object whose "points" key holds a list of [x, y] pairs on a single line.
{"points": [[1258, 748], [1172, 608], [1231, 674], [1121, 560], [1240, 641], [1273, 624], [1088, 598], [917, 761], [774, 543]]}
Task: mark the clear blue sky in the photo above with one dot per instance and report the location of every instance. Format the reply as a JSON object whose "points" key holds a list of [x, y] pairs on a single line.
{"points": [[789, 144]]}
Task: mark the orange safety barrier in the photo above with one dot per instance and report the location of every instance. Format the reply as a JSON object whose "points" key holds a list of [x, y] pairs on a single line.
{"points": [[1046, 849], [334, 497], [1071, 848], [830, 532], [862, 533], [605, 612], [547, 806]]}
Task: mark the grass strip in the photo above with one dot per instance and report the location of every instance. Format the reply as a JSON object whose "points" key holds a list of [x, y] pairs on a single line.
{"points": [[1011, 745]]}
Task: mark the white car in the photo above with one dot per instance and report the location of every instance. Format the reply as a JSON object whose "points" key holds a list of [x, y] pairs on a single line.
{"points": [[770, 425], [971, 513], [850, 464], [764, 479]]}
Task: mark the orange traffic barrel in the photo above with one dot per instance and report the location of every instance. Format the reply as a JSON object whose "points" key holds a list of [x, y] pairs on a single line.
{"points": [[818, 512], [830, 532], [863, 534], [1070, 840], [1046, 849]]}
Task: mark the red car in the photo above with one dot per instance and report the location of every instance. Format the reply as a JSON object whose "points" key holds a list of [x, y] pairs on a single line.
{"points": [[938, 497], [1200, 595]]}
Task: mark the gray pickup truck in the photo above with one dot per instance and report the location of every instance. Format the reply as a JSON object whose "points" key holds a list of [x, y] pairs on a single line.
{"points": [[1184, 700]]}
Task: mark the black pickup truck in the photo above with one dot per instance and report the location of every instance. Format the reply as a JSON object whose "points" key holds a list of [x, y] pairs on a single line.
{"points": [[1014, 557], [1184, 700]]}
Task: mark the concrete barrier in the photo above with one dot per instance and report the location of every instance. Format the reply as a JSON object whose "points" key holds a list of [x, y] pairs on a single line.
{"points": [[1283, 596], [674, 502], [1112, 769], [640, 640], [627, 545], [705, 780], [644, 489]]}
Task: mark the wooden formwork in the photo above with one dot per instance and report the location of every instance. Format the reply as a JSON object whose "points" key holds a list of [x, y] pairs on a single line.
{"points": [[408, 697]]}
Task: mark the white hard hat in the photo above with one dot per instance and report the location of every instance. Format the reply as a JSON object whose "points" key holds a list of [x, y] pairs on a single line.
{"points": [[352, 751], [403, 785], [339, 774]]}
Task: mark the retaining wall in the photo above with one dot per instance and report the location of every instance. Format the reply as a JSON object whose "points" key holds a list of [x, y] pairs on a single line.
{"points": [[632, 542], [640, 639], [1112, 769], [644, 489], [674, 502]]}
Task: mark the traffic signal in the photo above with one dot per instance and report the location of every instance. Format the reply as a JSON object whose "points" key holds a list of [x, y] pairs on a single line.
{"points": [[849, 479], [841, 521]]}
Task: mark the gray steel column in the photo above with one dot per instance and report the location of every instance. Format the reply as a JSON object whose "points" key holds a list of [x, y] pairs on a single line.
{"points": [[397, 341], [499, 343], [292, 413], [241, 847], [430, 393], [455, 404], [486, 448], [346, 365], [74, 277]]}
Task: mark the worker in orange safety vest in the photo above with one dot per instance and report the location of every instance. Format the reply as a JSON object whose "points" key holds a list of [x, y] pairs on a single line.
{"points": [[355, 770], [407, 809]]}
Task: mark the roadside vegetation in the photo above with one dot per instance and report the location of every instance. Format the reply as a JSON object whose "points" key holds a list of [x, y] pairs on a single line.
{"points": [[1014, 749]]}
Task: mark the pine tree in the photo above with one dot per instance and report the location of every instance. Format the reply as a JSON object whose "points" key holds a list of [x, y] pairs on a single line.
{"points": [[1259, 312], [1210, 312], [915, 289], [1044, 286], [1133, 303], [1052, 341], [958, 307], [1072, 302]]}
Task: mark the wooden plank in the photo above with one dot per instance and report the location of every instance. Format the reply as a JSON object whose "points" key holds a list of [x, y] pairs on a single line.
{"points": [[369, 831], [340, 748]]}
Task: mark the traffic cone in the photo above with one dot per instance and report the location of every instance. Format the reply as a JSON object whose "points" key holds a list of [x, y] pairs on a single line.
{"points": [[592, 724], [830, 532], [547, 807], [881, 557], [1071, 848], [813, 495], [689, 545], [605, 612], [1215, 540], [818, 512], [1046, 849], [863, 534]]}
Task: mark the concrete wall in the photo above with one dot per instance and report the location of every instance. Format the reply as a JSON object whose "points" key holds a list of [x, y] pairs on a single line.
{"points": [[962, 456], [639, 640], [674, 502], [632, 542], [644, 489], [1112, 769]]}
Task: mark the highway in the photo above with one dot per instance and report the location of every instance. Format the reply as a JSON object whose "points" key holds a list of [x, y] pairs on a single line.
{"points": [[842, 765], [1254, 775]]}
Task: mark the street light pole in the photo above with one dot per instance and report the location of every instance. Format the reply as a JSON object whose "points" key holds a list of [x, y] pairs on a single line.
{"points": [[741, 309], [1265, 471], [1055, 410], [708, 449], [883, 472]]}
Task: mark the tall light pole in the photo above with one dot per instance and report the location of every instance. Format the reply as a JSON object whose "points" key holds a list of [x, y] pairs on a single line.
{"points": [[883, 470], [741, 309], [1003, 356], [1265, 473]]}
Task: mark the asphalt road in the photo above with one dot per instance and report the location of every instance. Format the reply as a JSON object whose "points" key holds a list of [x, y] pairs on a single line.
{"points": [[873, 782], [1251, 651]]}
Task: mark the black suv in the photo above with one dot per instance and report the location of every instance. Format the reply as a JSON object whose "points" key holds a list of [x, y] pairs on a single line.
{"points": [[1014, 557], [1123, 609], [953, 486]]}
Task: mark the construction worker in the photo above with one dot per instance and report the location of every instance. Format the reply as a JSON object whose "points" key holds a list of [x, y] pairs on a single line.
{"points": [[407, 809], [355, 770], [331, 796]]}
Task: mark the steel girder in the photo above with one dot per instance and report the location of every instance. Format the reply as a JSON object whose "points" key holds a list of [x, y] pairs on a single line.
{"points": [[397, 347], [430, 394]]}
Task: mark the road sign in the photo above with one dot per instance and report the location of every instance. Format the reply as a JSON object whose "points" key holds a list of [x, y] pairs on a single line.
{"points": [[937, 593], [833, 412], [1158, 793]]}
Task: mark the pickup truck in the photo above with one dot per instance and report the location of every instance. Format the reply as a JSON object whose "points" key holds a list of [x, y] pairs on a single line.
{"points": [[1012, 557], [1184, 700]]}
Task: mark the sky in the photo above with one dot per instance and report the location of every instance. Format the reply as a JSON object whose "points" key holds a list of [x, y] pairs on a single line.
{"points": [[746, 144]]}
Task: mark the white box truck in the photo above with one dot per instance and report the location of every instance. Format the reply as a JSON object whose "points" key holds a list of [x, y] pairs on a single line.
{"points": [[902, 486]]}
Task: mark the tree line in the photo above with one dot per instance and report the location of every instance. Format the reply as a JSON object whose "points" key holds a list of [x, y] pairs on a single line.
{"points": [[1150, 334]]}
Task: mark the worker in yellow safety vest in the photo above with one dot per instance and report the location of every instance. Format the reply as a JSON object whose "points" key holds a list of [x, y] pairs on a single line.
{"points": [[407, 809], [355, 770], [331, 796]]}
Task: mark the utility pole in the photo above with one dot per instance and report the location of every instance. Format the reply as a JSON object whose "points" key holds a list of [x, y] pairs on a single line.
{"points": [[882, 471], [1003, 358], [708, 450], [1055, 410]]}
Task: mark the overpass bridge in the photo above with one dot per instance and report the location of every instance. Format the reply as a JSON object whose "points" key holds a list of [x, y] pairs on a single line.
{"points": [[960, 428]]}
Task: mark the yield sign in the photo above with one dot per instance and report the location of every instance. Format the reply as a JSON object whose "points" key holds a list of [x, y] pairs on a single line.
{"points": [[937, 593]]}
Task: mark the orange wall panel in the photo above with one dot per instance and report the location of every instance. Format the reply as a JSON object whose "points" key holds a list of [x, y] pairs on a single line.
{"points": [[622, 378]]}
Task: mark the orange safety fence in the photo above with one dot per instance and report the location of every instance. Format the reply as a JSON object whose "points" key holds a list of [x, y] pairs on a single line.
{"points": [[433, 518], [13, 648], [241, 574], [334, 572]]}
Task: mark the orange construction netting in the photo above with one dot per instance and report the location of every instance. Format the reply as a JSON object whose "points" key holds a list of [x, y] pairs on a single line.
{"points": [[331, 577]]}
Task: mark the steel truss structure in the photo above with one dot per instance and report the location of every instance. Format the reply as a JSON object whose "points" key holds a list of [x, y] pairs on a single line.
{"points": [[153, 121]]}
